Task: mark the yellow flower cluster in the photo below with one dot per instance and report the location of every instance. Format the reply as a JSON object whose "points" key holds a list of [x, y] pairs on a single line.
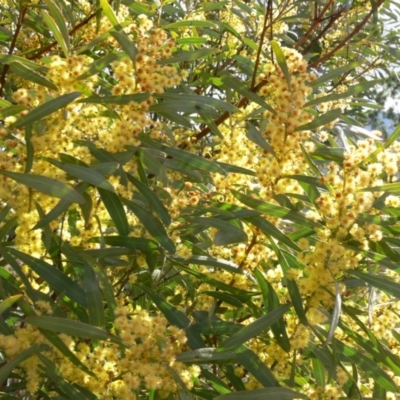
{"points": [[145, 362]]}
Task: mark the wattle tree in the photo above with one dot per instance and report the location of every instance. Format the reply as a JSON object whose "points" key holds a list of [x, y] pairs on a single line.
{"points": [[191, 204]]}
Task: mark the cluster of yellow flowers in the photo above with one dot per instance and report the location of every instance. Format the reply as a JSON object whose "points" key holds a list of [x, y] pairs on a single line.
{"points": [[145, 362]]}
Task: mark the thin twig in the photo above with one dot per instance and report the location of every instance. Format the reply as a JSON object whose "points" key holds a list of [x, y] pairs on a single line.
{"points": [[264, 31], [348, 37], [12, 47], [314, 24]]}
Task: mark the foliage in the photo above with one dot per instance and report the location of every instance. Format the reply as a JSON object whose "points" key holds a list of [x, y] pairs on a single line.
{"points": [[190, 205]]}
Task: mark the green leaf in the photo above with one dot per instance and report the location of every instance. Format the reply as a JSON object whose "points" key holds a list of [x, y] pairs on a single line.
{"points": [[50, 371], [189, 107], [179, 24], [270, 393], [7, 369], [273, 210], [322, 120], [121, 99], [227, 233], [206, 355], [62, 206], [191, 41], [175, 317], [380, 282], [213, 262], [389, 188], [211, 281], [280, 57], [57, 342], [127, 45], [86, 174], [152, 225], [93, 295], [237, 85], [271, 230], [288, 261], [193, 160], [55, 29], [252, 330], [353, 90], [255, 136], [189, 56], [200, 100], [46, 185], [369, 366], [271, 302], [224, 297], [319, 372], [109, 13], [53, 276], [153, 200], [128, 242], [26, 73], [72, 327], [392, 138], [45, 109], [100, 64], [335, 314], [235, 169], [116, 210], [7, 303], [59, 19], [12, 110], [256, 367], [335, 73], [29, 149]]}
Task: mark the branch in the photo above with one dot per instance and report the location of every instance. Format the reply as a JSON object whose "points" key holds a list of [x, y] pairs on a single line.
{"points": [[12, 47], [348, 37], [263, 33]]}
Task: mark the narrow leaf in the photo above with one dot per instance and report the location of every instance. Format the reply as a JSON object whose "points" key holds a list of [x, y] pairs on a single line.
{"points": [[270, 393], [280, 57], [56, 32], [26, 73], [128, 242], [7, 369], [256, 367], [46, 185], [323, 119], [153, 200], [53, 276], [93, 294], [7, 303], [45, 109], [86, 174], [59, 19], [72, 327], [152, 225], [254, 329], [237, 85], [189, 56], [116, 210], [206, 355]]}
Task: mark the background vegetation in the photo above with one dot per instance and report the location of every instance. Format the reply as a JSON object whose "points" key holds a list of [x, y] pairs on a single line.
{"points": [[191, 206]]}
